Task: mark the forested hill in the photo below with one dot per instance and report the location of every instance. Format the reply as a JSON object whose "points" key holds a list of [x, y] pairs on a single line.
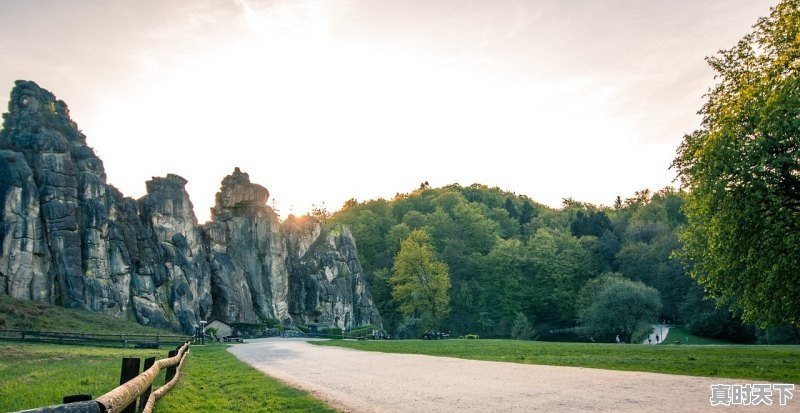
{"points": [[508, 255]]}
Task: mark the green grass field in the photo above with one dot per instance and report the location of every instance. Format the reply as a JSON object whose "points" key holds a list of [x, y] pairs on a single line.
{"points": [[678, 333], [37, 375], [773, 363], [213, 380]]}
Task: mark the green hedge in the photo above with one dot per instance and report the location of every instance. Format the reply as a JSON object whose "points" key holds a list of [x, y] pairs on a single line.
{"points": [[364, 330]]}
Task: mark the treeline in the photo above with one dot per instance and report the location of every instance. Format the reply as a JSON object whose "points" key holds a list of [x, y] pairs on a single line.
{"points": [[510, 257]]}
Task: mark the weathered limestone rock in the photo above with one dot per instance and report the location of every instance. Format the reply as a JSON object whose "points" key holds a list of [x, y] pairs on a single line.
{"points": [[69, 238], [245, 231], [24, 258], [167, 210], [328, 285]]}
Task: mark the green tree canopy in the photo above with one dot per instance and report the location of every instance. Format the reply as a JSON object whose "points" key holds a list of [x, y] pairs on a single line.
{"points": [[742, 169], [621, 308], [420, 283]]}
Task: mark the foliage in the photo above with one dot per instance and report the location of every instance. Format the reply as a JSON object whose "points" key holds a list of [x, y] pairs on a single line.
{"points": [[410, 328], [212, 332], [742, 170], [621, 307], [522, 329], [472, 337], [680, 333], [362, 331], [503, 262], [332, 331], [769, 363], [786, 334], [420, 283]]}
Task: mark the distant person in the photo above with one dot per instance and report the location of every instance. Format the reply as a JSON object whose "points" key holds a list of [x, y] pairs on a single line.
{"points": [[649, 340], [591, 339], [618, 339], [657, 338]]}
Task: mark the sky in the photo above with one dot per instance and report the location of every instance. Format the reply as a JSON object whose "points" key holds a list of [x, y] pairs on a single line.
{"points": [[321, 101]]}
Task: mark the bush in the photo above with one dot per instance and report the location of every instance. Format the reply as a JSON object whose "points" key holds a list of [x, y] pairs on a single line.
{"points": [[411, 328], [363, 331], [333, 331], [779, 335], [522, 329], [212, 332], [472, 337]]}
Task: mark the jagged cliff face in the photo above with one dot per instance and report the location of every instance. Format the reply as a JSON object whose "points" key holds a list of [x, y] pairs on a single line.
{"points": [[328, 285], [69, 238]]}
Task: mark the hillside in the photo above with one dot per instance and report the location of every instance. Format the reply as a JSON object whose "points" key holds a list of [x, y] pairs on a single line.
{"points": [[16, 314], [508, 255]]}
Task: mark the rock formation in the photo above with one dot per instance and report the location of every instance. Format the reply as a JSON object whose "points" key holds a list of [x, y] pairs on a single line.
{"points": [[69, 238]]}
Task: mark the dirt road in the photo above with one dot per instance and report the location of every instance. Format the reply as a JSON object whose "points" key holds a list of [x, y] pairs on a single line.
{"points": [[359, 381]]}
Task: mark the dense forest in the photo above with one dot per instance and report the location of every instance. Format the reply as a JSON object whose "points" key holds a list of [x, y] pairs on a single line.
{"points": [[513, 261]]}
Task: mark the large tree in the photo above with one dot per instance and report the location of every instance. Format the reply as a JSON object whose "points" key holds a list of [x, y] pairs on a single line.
{"points": [[742, 170], [420, 283], [620, 307]]}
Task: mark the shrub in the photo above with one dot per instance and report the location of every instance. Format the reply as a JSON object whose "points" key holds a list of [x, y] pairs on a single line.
{"points": [[472, 337], [333, 331], [411, 328], [522, 329], [363, 331]]}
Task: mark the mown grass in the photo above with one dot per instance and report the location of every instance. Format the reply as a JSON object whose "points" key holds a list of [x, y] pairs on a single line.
{"points": [[214, 380], [678, 333], [16, 314], [773, 363], [36, 375]]}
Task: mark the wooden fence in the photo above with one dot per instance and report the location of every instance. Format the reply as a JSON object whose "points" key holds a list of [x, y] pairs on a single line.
{"points": [[134, 390], [122, 340]]}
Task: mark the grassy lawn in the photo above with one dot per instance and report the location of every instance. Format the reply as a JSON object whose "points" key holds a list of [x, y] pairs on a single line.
{"points": [[213, 380], [773, 363], [679, 333], [37, 375]]}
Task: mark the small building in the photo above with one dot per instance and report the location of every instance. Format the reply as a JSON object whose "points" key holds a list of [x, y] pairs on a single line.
{"points": [[223, 329]]}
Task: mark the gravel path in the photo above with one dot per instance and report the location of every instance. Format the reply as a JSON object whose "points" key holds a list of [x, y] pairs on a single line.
{"points": [[360, 381]]}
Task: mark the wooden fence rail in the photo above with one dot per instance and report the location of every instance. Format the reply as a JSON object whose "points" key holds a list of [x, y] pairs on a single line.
{"points": [[127, 394], [82, 338]]}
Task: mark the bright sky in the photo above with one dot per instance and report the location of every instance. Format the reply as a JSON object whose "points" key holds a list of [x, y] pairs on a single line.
{"points": [[326, 100]]}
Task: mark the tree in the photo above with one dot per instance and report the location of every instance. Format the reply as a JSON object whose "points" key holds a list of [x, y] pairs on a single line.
{"points": [[742, 170], [621, 308], [522, 329], [420, 283], [320, 212]]}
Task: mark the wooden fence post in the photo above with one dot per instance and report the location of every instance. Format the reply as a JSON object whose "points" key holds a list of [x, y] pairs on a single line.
{"points": [[148, 362], [170, 370], [130, 369]]}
